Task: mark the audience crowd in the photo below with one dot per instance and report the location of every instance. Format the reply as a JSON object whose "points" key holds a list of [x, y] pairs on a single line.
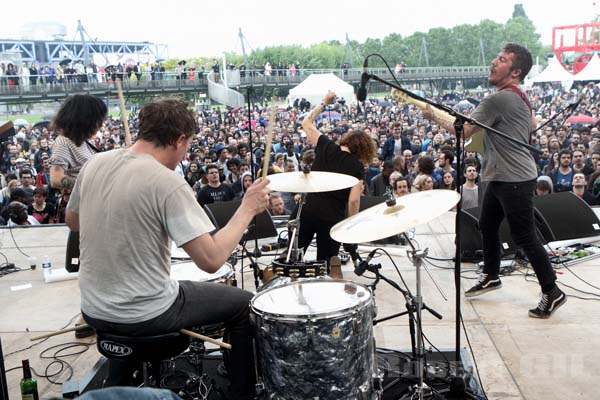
{"points": [[414, 154]]}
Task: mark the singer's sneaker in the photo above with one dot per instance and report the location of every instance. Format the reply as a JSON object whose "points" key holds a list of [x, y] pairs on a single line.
{"points": [[486, 283], [548, 304]]}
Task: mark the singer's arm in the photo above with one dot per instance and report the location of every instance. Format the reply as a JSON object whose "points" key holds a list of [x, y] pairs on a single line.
{"points": [[308, 124], [469, 130]]}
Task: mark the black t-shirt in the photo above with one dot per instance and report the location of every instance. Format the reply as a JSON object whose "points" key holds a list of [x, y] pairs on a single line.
{"points": [[329, 157], [43, 216], [209, 194]]}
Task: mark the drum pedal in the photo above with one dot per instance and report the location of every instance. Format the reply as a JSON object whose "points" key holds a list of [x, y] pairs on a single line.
{"points": [[344, 257]]}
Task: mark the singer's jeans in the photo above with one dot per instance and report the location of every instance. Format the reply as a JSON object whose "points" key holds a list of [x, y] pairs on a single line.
{"points": [[198, 304], [309, 226], [515, 201]]}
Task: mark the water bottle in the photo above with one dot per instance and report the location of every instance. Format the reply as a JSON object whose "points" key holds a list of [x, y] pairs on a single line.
{"points": [[47, 267]]}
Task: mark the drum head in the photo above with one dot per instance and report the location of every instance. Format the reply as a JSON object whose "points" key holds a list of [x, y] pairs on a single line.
{"points": [[311, 298], [189, 271]]}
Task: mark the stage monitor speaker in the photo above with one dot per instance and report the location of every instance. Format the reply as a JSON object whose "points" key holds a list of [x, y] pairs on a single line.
{"points": [[568, 216], [370, 201], [471, 244], [221, 213]]}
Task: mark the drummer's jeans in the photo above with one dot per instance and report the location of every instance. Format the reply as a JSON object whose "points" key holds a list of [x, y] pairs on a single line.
{"points": [[198, 304], [515, 201]]}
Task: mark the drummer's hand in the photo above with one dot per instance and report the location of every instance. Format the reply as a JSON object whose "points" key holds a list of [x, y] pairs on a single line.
{"points": [[329, 98], [256, 197], [427, 112]]}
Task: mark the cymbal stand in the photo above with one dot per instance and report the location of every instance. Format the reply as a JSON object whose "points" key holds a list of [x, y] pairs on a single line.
{"points": [[416, 256], [295, 254]]}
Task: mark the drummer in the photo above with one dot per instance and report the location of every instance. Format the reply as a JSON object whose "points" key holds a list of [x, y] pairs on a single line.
{"points": [[323, 210], [131, 204]]}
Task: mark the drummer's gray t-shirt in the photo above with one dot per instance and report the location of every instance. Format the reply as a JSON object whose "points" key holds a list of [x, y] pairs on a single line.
{"points": [[504, 161], [129, 205]]}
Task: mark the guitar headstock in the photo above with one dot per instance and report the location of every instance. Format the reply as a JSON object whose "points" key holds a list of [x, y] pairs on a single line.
{"points": [[400, 96]]}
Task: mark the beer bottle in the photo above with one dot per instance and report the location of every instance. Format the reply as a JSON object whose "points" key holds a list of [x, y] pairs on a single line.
{"points": [[28, 384]]}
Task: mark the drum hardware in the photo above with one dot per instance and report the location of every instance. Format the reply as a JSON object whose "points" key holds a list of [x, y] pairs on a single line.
{"points": [[414, 306]]}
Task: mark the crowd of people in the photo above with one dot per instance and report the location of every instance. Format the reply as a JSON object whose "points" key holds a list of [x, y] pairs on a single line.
{"points": [[413, 154]]}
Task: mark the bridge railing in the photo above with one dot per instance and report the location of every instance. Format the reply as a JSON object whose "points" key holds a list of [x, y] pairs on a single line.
{"points": [[50, 85]]}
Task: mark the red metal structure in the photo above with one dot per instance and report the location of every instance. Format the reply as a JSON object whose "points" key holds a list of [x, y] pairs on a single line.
{"points": [[579, 41]]}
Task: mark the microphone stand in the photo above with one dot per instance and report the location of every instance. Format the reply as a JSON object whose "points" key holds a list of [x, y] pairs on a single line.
{"points": [[461, 119]]}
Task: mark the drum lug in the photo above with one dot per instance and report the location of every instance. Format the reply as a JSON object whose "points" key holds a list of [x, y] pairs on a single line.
{"points": [[259, 388]]}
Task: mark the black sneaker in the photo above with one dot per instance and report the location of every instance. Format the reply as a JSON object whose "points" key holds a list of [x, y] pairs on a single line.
{"points": [[548, 304], [486, 284]]}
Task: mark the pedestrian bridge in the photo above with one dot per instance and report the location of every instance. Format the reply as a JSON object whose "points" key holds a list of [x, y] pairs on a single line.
{"points": [[30, 90]]}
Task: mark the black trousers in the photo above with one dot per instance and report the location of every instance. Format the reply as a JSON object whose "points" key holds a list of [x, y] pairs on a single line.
{"points": [[515, 201], [311, 225], [198, 304]]}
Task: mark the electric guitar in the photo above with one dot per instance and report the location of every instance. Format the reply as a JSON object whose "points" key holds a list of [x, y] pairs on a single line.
{"points": [[474, 143]]}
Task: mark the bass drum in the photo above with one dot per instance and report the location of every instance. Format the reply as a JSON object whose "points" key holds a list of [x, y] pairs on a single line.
{"points": [[315, 340]]}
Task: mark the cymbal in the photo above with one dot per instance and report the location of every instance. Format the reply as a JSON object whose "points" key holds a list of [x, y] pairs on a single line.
{"points": [[383, 221], [314, 181]]}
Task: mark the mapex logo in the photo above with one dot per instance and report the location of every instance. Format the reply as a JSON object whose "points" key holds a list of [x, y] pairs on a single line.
{"points": [[116, 349]]}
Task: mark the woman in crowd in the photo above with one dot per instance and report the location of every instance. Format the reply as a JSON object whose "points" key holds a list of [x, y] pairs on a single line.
{"points": [[41, 210]]}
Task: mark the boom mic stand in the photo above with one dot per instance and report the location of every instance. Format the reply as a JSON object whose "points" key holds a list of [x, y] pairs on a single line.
{"points": [[458, 125]]}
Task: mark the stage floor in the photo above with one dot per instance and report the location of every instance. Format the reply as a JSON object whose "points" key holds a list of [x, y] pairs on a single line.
{"points": [[518, 357]]}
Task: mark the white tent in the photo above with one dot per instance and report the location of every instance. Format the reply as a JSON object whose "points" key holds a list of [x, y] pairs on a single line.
{"points": [[591, 72], [554, 72], [315, 87]]}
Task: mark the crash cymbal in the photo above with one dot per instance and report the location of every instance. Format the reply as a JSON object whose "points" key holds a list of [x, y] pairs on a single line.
{"points": [[314, 181], [383, 221]]}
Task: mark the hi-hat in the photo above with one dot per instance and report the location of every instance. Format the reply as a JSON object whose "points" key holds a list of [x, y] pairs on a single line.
{"points": [[383, 221], [314, 181]]}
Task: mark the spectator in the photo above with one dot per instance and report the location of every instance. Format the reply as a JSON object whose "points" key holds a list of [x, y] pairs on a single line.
{"points": [[41, 210], [470, 190], [277, 206], [579, 188], [214, 191], [563, 175]]}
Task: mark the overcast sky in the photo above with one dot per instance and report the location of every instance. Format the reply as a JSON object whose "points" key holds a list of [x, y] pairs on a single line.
{"points": [[192, 28]]}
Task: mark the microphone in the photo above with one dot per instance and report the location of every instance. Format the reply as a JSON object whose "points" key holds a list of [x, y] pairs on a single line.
{"points": [[361, 94], [364, 265]]}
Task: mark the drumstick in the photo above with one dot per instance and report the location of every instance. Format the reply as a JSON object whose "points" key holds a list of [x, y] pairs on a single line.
{"points": [[270, 129], [184, 331], [60, 332], [123, 113], [206, 338]]}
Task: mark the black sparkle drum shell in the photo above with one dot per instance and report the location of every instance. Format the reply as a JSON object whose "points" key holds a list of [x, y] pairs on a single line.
{"points": [[315, 340]]}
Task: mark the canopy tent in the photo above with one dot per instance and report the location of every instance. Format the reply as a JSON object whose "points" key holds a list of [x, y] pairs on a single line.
{"points": [[316, 86], [554, 72], [591, 72]]}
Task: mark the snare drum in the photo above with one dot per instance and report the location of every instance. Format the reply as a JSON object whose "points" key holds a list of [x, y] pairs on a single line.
{"points": [[315, 340], [189, 271]]}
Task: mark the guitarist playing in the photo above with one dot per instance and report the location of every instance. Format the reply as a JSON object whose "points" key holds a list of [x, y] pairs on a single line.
{"points": [[510, 173]]}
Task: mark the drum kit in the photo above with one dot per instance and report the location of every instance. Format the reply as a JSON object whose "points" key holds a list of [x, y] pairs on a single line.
{"points": [[314, 334]]}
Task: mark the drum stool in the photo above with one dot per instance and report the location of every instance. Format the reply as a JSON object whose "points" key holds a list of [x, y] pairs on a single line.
{"points": [[126, 354]]}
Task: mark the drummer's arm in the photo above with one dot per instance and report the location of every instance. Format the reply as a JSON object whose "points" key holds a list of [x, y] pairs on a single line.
{"points": [[354, 198], [210, 252]]}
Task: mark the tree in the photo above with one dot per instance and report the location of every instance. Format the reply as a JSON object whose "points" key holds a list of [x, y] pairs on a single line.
{"points": [[519, 11]]}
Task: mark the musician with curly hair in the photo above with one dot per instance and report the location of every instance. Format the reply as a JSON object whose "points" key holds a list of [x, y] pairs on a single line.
{"points": [[323, 210]]}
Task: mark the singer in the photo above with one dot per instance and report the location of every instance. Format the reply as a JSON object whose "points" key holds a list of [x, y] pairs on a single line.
{"points": [[510, 173], [323, 210]]}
